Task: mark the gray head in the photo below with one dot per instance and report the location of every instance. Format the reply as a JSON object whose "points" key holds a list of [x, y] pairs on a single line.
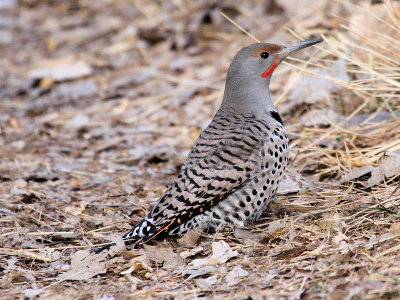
{"points": [[247, 81]]}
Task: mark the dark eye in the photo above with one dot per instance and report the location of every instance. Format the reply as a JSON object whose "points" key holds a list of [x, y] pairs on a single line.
{"points": [[264, 55]]}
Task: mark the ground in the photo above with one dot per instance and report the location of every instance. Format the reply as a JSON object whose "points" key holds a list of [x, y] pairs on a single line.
{"points": [[101, 102]]}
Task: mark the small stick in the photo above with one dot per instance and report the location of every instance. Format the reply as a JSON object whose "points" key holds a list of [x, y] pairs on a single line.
{"points": [[27, 253], [240, 27]]}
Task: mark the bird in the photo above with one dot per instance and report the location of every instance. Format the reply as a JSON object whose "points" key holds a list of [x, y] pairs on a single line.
{"points": [[234, 169]]}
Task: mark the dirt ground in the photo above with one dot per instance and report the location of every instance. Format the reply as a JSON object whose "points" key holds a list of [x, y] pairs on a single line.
{"points": [[100, 102]]}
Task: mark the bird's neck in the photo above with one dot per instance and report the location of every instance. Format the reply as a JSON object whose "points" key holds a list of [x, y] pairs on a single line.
{"points": [[249, 96]]}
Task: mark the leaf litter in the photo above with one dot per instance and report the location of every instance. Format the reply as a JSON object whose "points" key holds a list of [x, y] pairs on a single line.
{"points": [[101, 104]]}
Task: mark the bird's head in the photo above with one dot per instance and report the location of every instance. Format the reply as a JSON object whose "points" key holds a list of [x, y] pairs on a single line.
{"points": [[247, 81], [261, 59]]}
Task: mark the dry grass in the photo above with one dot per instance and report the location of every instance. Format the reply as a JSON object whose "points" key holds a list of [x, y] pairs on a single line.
{"points": [[65, 186]]}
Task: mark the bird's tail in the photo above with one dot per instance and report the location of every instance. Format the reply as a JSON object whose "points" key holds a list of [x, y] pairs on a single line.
{"points": [[143, 230]]}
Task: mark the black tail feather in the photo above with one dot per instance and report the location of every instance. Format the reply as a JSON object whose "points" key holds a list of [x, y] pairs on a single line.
{"points": [[139, 234], [101, 249]]}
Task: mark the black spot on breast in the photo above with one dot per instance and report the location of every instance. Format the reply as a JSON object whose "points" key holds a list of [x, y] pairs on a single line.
{"points": [[215, 216], [276, 116]]}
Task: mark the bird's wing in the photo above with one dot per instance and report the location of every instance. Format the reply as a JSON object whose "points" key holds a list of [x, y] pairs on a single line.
{"points": [[224, 157]]}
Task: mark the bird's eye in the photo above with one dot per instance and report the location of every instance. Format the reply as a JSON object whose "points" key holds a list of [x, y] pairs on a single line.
{"points": [[264, 54]]}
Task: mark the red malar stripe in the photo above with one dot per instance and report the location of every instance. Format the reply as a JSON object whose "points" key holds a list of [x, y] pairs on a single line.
{"points": [[269, 70]]}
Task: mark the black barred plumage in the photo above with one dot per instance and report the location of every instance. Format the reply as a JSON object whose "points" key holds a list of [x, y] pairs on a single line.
{"points": [[233, 170]]}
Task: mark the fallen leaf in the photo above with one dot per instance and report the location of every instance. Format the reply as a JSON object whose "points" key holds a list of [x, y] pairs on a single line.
{"points": [[106, 298], [200, 271], [357, 173], [190, 239], [276, 226], [320, 118], [31, 293], [140, 263], [20, 183], [76, 90], [191, 252], [78, 121], [368, 119], [389, 167], [221, 252], [206, 283], [249, 237], [311, 89], [288, 186], [234, 275], [65, 70], [76, 210], [330, 222], [395, 228], [163, 255], [85, 265]]}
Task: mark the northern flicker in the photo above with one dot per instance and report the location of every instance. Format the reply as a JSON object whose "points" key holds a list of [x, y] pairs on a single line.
{"points": [[234, 168]]}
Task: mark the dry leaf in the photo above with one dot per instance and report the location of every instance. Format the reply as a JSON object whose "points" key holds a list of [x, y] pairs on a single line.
{"points": [[85, 265], [330, 222], [206, 283], [389, 167], [191, 252], [221, 252], [62, 70], [234, 275], [321, 118], [163, 255], [140, 263], [288, 185], [194, 272], [31, 293], [190, 239]]}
